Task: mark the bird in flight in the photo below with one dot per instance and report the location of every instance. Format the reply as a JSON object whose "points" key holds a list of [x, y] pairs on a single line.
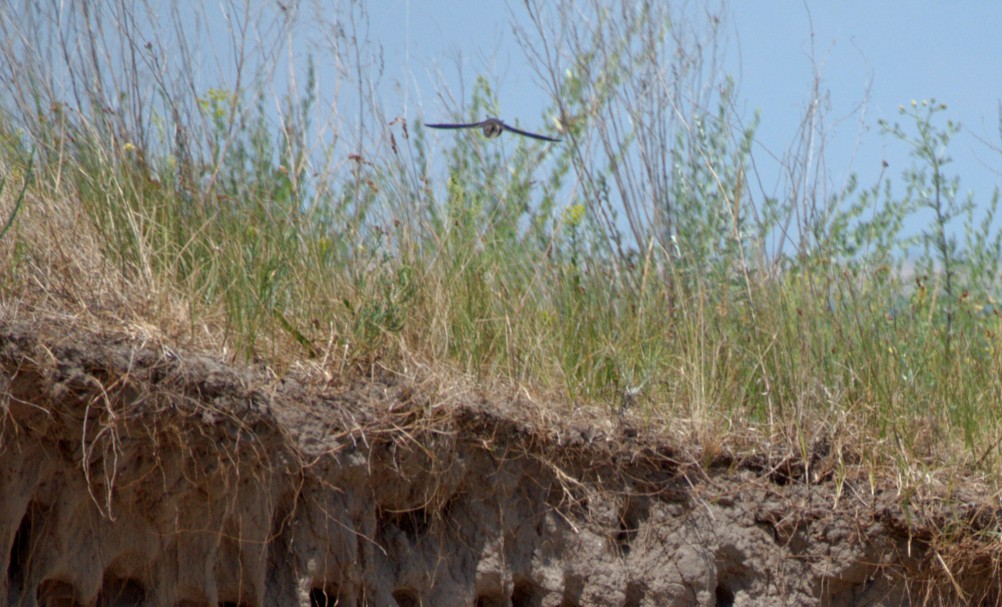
{"points": [[492, 127]]}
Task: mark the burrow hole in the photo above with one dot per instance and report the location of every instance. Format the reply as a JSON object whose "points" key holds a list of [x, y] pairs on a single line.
{"points": [[328, 596], [635, 511]]}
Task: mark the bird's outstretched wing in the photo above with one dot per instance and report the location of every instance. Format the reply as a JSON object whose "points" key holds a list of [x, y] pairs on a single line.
{"points": [[443, 125], [491, 124], [528, 134]]}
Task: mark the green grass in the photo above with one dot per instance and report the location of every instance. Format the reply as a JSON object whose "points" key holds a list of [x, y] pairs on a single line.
{"points": [[243, 235]]}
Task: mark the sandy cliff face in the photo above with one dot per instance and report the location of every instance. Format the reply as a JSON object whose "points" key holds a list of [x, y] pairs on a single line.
{"points": [[134, 475]]}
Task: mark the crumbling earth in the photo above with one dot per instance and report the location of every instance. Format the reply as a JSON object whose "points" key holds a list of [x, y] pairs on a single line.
{"points": [[131, 474]]}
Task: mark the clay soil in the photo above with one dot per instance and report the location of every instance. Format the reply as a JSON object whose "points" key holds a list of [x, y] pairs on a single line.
{"points": [[135, 474]]}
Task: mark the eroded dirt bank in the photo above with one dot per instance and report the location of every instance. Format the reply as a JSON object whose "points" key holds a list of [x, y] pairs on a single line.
{"points": [[131, 474]]}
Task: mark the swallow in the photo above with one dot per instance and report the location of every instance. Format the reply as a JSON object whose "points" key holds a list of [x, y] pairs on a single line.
{"points": [[492, 127]]}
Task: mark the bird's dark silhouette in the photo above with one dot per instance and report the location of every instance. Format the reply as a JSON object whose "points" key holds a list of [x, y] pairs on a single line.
{"points": [[492, 127]]}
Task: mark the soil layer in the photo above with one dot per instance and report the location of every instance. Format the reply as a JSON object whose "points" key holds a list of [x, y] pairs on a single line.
{"points": [[133, 474]]}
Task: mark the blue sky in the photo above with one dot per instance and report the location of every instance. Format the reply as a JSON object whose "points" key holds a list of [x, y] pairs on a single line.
{"points": [[884, 55], [871, 55]]}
